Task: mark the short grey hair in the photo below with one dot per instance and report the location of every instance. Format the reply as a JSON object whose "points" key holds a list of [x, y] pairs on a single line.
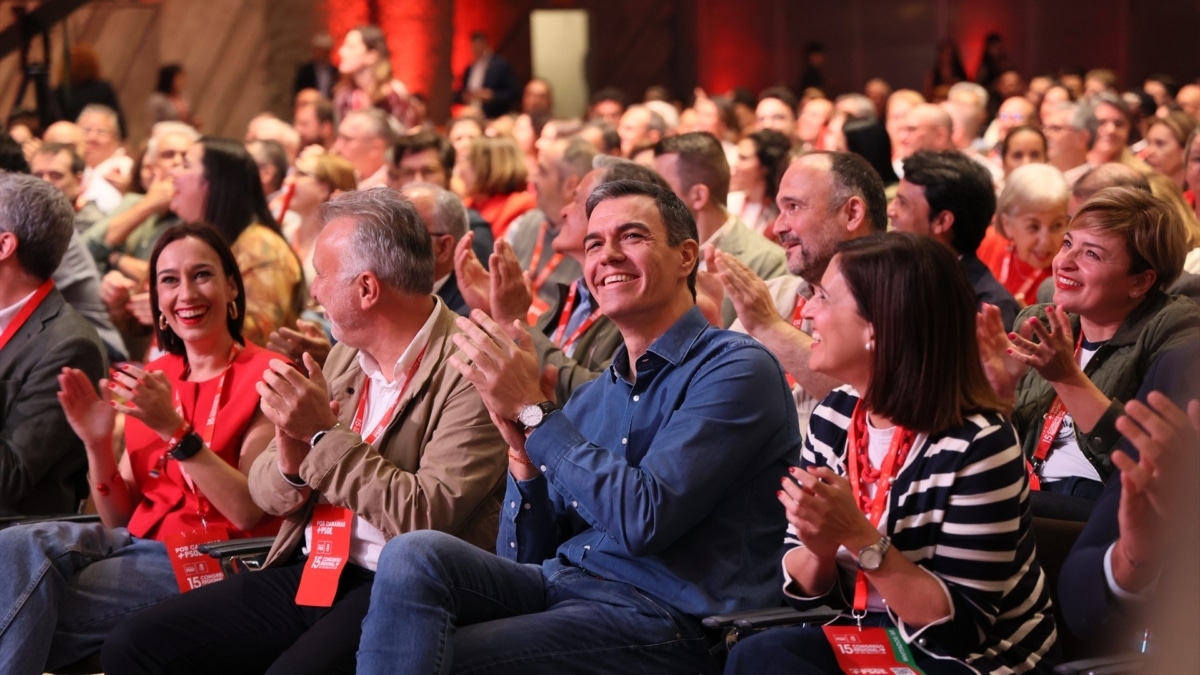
{"points": [[1033, 186], [449, 215], [378, 124], [970, 89], [389, 239], [577, 157], [161, 130], [41, 218], [860, 106], [98, 109]]}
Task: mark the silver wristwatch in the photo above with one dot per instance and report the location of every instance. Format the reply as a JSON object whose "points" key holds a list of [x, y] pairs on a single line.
{"points": [[871, 557], [532, 416]]}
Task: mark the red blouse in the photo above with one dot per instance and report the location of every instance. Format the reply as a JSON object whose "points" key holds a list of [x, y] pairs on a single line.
{"points": [[1019, 277], [168, 506], [501, 210]]}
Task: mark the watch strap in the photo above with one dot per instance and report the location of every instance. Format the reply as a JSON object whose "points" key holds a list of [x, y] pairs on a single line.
{"points": [[312, 443], [187, 447]]}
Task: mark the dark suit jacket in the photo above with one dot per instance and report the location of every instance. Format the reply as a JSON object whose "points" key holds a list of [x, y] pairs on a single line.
{"points": [[988, 290], [1092, 612], [501, 80], [42, 461], [306, 78], [453, 297]]}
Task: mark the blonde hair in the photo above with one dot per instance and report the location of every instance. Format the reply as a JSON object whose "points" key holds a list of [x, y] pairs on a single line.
{"points": [[1153, 232], [498, 164], [334, 171]]}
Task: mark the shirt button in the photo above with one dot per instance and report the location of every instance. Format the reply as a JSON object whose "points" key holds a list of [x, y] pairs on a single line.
{"points": [[512, 505], [637, 397], [574, 504], [587, 548], [542, 468], [527, 506], [512, 544]]}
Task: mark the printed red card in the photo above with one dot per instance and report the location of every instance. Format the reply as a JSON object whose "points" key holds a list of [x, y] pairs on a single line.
{"points": [[330, 538], [871, 651], [194, 569]]}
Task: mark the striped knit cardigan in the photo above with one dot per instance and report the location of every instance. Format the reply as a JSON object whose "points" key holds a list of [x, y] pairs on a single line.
{"points": [[959, 508]]}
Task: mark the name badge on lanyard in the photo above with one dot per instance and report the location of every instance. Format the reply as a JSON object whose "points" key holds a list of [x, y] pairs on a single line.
{"points": [[330, 536], [194, 569], [871, 651]]}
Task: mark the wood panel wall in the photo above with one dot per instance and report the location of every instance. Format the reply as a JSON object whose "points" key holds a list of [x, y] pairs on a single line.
{"points": [[239, 56]]}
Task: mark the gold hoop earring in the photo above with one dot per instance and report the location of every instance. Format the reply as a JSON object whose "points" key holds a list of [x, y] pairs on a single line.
{"points": [[162, 322], [233, 312]]}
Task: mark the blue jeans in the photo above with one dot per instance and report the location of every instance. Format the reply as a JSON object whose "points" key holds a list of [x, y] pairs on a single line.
{"points": [[65, 585], [440, 605]]}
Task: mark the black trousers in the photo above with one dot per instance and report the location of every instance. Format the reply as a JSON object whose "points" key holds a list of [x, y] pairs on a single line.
{"points": [[249, 623]]}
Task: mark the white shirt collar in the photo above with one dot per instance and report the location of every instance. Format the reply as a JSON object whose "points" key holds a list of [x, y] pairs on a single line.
{"points": [[9, 313]]}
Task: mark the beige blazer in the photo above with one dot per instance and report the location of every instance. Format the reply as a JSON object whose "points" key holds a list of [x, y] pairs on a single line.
{"points": [[441, 463]]}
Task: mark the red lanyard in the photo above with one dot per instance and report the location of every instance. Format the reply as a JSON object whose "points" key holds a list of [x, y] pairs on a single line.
{"points": [[360, 412], [565, 317], [206, 432], [1054, 420], [26, 311], [858, 466], [550, 266], [797, 319], [797, 323]]}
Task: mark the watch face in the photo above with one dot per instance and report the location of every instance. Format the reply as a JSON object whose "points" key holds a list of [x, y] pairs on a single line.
{"points": [[870, 559], [531, 415]]}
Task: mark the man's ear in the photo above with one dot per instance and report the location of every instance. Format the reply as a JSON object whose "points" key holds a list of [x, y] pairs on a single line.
{"points": [[689, 251], [698, 196], [855, 212], [368, 288], [941, 224], [8, 245]]}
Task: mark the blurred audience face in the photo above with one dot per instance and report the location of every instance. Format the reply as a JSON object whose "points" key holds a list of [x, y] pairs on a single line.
{"points": [[1113, 134], [55, 169], [609, 111], [101, 137], [190, 202], [418, 167], [1025, 147], [310, 128], [537, 97], [772, 113], [1015, 111]]}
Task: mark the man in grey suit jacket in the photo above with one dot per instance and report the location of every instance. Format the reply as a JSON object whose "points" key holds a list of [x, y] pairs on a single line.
{"points": [[42, 461]]}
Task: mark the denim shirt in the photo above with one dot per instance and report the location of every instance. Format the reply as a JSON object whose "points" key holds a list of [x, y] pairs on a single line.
{"points": [[667, 484]]}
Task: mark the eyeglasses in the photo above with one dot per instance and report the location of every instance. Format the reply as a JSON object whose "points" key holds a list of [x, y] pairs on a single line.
{"points": [[97, 131]]}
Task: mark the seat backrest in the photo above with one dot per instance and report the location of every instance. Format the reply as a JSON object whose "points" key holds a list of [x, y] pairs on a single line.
{"points": [[1054, 541]]}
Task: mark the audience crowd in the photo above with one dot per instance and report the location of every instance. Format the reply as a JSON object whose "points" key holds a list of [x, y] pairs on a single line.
{"points": [[501, 390]]}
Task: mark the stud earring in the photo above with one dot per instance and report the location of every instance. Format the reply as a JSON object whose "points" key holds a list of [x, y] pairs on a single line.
{"points": [[162, 322]]}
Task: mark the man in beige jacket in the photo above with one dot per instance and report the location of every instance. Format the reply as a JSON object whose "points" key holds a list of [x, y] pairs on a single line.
{"points": [[389, 438]]}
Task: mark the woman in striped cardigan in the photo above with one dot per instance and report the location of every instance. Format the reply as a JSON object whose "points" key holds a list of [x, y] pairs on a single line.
{"points": [[909, 509]]}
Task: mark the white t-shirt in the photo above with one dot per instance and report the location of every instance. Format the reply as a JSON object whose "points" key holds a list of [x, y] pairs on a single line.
{"points": [[1066, 460]]}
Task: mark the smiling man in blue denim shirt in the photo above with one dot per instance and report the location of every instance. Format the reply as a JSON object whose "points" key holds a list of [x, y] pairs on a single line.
{"points": [[645, 504]]}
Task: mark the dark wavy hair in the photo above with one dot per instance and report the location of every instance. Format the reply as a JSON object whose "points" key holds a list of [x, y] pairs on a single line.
{"points": [[235, 193], [167, 339], [771, 148], [924, 322]]}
